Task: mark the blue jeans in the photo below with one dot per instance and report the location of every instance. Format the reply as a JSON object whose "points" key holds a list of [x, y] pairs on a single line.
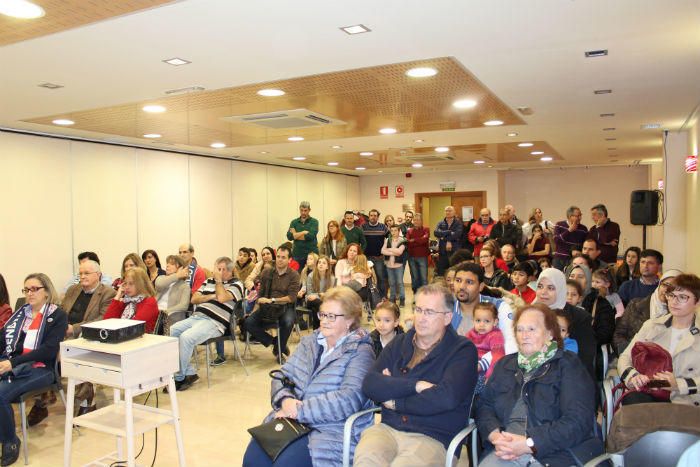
{"points": [[380, 271], [194, 330], [296, 454], [396, 282], [11, 389], [419, 272]]}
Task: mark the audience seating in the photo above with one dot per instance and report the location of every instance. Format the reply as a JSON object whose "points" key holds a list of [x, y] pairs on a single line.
{"points": [[230, 334], [660, 449]]}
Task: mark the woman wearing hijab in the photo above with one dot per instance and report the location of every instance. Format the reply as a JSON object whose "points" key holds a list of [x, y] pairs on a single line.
{"points": [[551, 290], [602, 313]]}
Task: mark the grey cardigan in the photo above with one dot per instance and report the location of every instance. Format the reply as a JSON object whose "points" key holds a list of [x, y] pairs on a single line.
{"points": [[180, 293]]}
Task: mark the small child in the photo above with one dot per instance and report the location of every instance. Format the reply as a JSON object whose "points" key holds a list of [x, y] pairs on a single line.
{"points": [[386, 322], [520, 277], [573, 292], [564, 321], [450, 278], [488, 340], [602, 281]]}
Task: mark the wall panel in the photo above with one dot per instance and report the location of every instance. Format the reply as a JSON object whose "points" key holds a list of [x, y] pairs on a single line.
{"points": [[310, 188], [249, 183], [282, 204]]}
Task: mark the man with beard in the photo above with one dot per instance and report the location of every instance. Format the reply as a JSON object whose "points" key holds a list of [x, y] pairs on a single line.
{"points": [[468, 284]]}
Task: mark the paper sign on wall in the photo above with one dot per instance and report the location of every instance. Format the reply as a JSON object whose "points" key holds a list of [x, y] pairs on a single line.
{"points": [[384, 192], [399, 191]]}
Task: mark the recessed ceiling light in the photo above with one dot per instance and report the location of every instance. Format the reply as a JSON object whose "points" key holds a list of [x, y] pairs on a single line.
{"points": [[464, 104], [607, 115], [421, 72], [442, 149], [299, 158], [336, 146], [537, 153], [602, 91], [154, 109], [416, 165], [418, 140], [650, 126], [596, 53], [332, 164], [63, 121], [479, 162], [217, 145], [356, 29], [380, 171], [264, 152], [387, 131], [512, 134], [175, 61], [609, 129], [612, 149], [359, 168], [271, 92], [613, 160], [493, 123], [21, 9], [295, 138], [366, 153], [490, 167], [50, 85], [525, 145], [152, 135], [546, 158]]}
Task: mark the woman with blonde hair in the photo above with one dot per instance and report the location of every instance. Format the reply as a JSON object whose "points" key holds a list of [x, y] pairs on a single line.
{"points": [[306, 272], [135, 299], [132, 260], [333, 244]]}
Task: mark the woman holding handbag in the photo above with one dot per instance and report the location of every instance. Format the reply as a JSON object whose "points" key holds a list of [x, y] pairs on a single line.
{"points": [[320, 386]]}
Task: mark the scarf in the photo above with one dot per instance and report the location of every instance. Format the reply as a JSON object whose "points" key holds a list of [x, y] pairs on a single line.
{"points": [[556, 277], [536, 360], [191, 269], [130, 308], [586, 272], [656, 306], [20, 321]]}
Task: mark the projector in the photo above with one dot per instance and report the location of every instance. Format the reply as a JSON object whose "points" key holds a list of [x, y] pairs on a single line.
{"points": [[113, 330]]}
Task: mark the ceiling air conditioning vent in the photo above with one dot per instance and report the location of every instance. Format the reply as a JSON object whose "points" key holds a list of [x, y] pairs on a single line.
{"points": [[285, 119], [423, 158]]}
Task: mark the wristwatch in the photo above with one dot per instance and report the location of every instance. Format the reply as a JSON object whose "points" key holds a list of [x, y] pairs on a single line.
{"points": [[531, 444], [274, 300]]}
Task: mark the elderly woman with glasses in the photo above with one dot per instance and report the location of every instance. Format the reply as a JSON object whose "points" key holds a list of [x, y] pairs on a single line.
{"points": [[327, 370], [679, 333]]}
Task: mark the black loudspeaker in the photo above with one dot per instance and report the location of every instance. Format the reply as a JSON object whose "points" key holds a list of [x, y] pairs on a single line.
{"points": [[644, 207]]}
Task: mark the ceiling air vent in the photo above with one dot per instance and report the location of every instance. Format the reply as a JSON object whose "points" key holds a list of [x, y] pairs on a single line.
{"points": [[423, 158], [285, 119]]}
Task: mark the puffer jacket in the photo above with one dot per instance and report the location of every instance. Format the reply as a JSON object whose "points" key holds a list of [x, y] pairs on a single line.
{"points": [[330, 392], [560, 400], [604, 320]]}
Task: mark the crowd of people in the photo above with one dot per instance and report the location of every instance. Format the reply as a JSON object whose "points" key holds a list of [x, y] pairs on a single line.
{"points": [[507, 323]]}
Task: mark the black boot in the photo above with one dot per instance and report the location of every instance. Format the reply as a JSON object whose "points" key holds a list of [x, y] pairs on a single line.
{"points": [[10, 452]]}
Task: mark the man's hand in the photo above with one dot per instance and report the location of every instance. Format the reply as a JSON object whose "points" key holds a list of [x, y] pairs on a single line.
{"points": [[69, 331], [264, 300], [386, 372], [423, 385], [293, 230], [217, 275], [510, 446]]}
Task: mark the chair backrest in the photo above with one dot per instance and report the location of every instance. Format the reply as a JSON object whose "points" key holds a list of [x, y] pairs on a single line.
{"points": [[159, 328], [19, 303], [660, 449]]}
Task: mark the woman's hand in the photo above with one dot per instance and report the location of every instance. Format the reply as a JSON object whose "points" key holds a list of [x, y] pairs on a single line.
{"points": [[510, 446], [289, 408], [5, 366], [667, 376], [639, 381], [120, 292], [182, 273]]}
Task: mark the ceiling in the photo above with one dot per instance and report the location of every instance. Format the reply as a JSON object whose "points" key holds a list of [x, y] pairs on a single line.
{"points": [[507, 54]]}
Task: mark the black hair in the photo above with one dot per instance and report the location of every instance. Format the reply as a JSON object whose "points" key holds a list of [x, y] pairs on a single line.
{"points": [[286, 246], [474, 268], [244, 250], [91, 255], [271, 250], [487, 306], [575, 285], [656, 254], [4, 293], [348, 212], [155, 255], [525, 267], [589, 261], [461, 255]]}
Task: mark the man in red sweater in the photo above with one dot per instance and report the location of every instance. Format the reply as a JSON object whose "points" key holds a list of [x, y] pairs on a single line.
{"points": [[480, 230], [418, 238], [196, 276]]}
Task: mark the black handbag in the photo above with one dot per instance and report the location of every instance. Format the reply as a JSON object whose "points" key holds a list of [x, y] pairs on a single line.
{"points": [[375, 298]]}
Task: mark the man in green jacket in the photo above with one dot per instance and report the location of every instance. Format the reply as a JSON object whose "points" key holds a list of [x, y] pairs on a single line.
{"points": [[353, 234], [303, 231]]}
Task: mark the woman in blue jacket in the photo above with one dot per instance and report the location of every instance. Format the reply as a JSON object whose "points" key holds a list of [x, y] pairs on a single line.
{"points": [[538, 407], [327, 370]]}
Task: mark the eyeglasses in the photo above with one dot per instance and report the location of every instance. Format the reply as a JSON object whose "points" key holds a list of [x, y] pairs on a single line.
{"points": [[429, 312], [183, 252], [329, 316], [28, 290], [682, 298], [83, 274], [666, 285]]}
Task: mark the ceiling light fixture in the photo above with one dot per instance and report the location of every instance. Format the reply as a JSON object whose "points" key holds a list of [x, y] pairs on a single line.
{"points": [[442, 149], [537, 153], [175, 61], [336, 146], [366, 153], [271, 92], [650, 126], [21, 9], [387, 131], [356, 29], [464, 104], [493, 123], [416, 165], [299, 158], [50, 86], [154, 109], [602, 91], [332, 164], [217, 145], [421, 72], [596, 53], [63, 122], [264, 152], [525, 145], [512, 134], [607, 115], [546, 158], [152, 135], [295, 138], [359, 168], [184, 90], [418, 140], [479, 162]]}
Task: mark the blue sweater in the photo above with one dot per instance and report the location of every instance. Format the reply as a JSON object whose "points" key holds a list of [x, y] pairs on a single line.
{"points": [[375, 235], [439, 412], [635, 288]]}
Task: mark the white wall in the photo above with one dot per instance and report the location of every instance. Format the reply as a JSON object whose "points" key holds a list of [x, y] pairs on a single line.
{"points": [[63, 197], [554, 190], [693, 206]]}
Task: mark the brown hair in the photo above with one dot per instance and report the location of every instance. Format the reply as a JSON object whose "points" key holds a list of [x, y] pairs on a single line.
{"points": [[316, 274], [361, 265], [689, 282], [136, 259], [575, 285], [349, 301], [389, 306], [141, 281], [550, 320], [338, 233], [52, 295], [176, 260], [486, 306], [347, 248]]}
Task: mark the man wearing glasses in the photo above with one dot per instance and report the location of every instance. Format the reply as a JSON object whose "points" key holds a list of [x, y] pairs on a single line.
{"points": [[425, 381], [82, 257], [639, 310]]}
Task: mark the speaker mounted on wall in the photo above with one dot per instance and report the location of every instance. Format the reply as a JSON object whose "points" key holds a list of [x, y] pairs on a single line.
{"points": [[644, 207]]}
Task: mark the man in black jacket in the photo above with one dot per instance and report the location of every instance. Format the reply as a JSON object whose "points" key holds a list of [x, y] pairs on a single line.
{"points": [[504, 232]]}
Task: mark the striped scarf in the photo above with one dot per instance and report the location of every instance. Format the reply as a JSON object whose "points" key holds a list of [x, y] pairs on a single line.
{"points": [[18, 324]]}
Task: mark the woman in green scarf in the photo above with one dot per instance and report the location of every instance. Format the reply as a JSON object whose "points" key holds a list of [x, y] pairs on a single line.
{"points": [[538, 407]]}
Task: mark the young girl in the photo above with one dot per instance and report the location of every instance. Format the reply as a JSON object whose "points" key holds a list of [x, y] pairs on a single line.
{"points": [[320, 280], [538, 246], [602, 281], [520, 277], [564, 321], [488, 339], [386, 322], [573, 292], [493, 276], [306, 273], [449, 278], [544, 263]]}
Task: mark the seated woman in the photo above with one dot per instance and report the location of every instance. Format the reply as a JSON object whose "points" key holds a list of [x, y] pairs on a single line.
{"points": [[629, 269], [333, 244], [678, 333], [600, 309], [31, 340], [538, 406], [538, 246], [152, 261], [306, 272], [5, 308], [135, 299], [351, 272], [267, 258], [130, 261], [317, 284], [493, 276], [173, 291], [327, 370]]}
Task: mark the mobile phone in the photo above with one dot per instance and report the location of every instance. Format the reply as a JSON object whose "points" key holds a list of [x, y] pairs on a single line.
{"points": [[658, 383]]}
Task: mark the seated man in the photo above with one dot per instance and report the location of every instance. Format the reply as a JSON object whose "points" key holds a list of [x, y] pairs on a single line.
{"points": [[196, 275], [278, 287], [82, 257], [650, 263], [215, 301], [425, 381]]}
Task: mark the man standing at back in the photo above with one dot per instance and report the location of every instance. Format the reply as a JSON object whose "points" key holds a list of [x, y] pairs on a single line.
{"points": [[480, 230], [375, 233], [303, 231], [353, 234], [449, 234], [407, 222], [605, 232], [569, 236]]}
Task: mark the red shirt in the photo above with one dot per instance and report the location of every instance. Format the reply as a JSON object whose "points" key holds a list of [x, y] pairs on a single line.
{"points": [[528, 296], [31, 335], [146, 311], [418, 248]]}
